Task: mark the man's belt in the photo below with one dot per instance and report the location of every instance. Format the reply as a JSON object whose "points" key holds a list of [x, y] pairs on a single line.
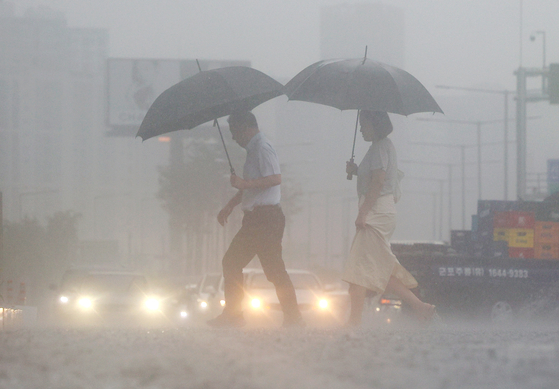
{"points": [[269, 207]]}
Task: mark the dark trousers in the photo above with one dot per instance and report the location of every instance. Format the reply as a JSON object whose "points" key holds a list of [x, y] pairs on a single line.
{"points": [[261, 234]]}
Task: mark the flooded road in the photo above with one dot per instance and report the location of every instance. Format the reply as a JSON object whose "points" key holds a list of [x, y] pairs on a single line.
{"points": [[198, 357]]}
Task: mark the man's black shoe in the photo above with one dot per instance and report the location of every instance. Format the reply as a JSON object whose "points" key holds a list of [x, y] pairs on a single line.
{"points": [[227, 320]]}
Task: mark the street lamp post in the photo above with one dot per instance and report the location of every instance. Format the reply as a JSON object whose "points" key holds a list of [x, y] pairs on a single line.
{"points": [[478, 124], [462, 168], [533, 38]]}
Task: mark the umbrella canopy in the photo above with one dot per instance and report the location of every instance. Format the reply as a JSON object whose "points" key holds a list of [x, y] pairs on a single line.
{"points": [[206, 96], [361, 84]]}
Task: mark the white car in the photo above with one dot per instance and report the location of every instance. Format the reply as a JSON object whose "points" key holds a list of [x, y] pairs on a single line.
{"points": [[97, 296], [319, 305], [261, 303]]}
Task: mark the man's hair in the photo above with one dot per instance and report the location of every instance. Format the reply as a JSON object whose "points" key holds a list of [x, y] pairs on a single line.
{"points": [[243, 119], [381, 122]]}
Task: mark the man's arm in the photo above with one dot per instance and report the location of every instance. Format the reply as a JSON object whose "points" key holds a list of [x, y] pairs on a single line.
{"points": [[226, 211], [259, 183], [377, 181]]}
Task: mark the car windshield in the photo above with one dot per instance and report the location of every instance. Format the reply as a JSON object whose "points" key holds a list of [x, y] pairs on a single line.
{"points": [[299, 280], [113, 283]]}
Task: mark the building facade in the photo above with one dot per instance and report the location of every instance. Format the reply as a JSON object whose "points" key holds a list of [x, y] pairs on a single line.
{"points": [[51, 99]]}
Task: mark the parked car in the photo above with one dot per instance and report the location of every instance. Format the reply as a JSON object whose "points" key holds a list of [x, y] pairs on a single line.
{"points": [[107, 296]]}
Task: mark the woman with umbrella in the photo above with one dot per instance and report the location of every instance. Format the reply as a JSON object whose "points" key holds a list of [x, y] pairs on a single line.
{"points": [[371, 264]]}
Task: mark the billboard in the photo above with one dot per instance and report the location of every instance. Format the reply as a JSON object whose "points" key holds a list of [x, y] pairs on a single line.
{"points": [[134, 83]]}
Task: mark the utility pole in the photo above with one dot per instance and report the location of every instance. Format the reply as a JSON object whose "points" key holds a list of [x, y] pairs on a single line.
{"points": [[506, 119], [478, 124], [522, 100], [549, 92], [462, 168]]}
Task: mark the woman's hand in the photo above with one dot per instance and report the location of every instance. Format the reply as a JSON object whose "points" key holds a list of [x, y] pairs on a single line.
{"points": [[351, 168], [361, 221]]}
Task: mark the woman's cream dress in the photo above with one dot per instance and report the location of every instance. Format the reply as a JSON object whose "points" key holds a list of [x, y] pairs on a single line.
{"points": [[371, 261]]}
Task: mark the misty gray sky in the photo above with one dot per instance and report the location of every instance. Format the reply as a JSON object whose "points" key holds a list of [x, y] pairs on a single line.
{"points": [[452, 42]]}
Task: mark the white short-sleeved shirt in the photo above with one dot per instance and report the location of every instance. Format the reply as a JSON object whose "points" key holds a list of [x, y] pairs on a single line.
{"points": [[381, 155], [261, 161]]}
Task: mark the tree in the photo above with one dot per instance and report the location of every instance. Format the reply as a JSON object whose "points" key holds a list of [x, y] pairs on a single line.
{"points": [[39, 254], [192, 190], [194, 187]]}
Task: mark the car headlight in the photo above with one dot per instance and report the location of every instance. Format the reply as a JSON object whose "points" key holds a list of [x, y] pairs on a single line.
{"points": [[323, 303], [184, 314], [152, 304], [85, 302], [222, 303], [63, 299], [203, 304], [255, 303]]}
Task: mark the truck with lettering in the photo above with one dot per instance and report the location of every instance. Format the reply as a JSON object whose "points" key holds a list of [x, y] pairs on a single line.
{"points": [[506, 266]]}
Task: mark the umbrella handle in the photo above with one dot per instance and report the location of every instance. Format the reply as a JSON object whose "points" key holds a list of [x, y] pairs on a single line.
{"points": [[350, 175]]}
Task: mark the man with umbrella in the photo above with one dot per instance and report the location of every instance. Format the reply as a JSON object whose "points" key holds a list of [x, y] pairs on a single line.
{"points": [[262, 227]]}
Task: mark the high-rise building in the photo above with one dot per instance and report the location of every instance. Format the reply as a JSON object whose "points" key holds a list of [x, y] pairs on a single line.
{"points": [[346, 29], [51, 111]]}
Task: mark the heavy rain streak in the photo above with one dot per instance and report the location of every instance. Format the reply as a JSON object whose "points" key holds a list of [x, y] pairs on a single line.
{"points": [[279, 194]]}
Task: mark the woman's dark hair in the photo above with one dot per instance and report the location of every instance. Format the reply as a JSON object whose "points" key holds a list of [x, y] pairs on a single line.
{"points": [[381, 122], [243, 119]]}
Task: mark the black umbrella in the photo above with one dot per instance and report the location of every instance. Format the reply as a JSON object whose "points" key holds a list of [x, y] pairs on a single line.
{"points": [[361, 84], [206, 96]]}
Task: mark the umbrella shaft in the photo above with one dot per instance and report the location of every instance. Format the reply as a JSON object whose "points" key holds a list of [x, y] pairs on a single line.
{"points": [[350, 175], [224, 147], [355, 136]]}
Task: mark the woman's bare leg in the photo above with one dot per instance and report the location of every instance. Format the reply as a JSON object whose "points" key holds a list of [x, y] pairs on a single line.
{"points": [[423, 310], [357, 297]]}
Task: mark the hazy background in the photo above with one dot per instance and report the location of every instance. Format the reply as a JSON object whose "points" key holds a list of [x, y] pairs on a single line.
{"points": [[466, 42]]}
